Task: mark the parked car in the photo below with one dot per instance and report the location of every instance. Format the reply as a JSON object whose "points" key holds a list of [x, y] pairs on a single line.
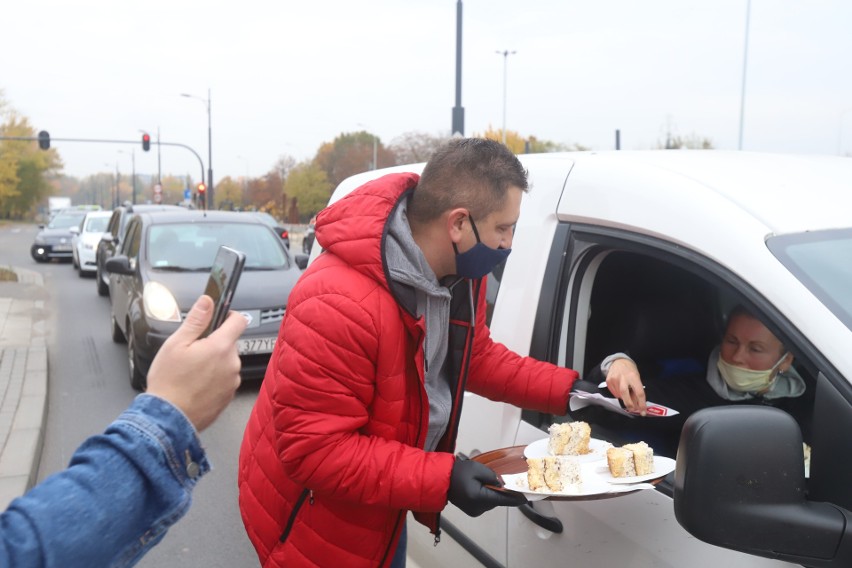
{"points": [[308, 240], [54, 239], [163, 265], [273, 224], [645, 252], [85, 241], [113, 236]]}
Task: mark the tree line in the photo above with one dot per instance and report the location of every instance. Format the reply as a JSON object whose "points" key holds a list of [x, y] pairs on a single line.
{"points": [[292, 191]]}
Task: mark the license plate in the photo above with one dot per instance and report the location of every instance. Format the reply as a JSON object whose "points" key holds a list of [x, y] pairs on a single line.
{"points": [[256, 345], [62, 248]]}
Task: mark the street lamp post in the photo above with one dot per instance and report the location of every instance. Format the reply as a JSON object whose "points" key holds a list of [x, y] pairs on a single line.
{"points": [[745, 67], [209, 145], [505, 53]]}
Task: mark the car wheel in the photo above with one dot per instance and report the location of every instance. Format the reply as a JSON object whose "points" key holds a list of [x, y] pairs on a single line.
{"points": [[137, 379], [103, 289], [75, 263], [117, 334]]}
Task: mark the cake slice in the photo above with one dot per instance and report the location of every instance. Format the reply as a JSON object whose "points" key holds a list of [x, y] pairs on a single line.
{"points": [[553, 473], [643, 457], [569, 439], [620, 462]]}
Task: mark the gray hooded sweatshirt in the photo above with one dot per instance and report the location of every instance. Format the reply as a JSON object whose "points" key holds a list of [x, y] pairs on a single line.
{"points": [[420, 293]]}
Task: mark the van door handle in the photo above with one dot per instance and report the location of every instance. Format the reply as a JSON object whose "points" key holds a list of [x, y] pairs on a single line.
{"points": [[551, 524]]}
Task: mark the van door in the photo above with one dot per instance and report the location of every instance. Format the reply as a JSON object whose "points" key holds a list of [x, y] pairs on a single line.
{"points": [[609, 285]]}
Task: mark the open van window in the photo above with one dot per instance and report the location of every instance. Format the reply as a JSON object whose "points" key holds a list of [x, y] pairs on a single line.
{"points": [[668, 316]]}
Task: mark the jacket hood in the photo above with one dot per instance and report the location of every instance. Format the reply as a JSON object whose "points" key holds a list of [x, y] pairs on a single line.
{"points": [[355, 227]]}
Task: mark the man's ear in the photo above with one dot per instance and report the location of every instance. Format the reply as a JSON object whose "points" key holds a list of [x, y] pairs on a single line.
{"points": [[456, 220]]}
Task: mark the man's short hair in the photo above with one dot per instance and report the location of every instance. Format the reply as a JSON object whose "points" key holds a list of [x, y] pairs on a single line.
{"points": [[473, 173]]}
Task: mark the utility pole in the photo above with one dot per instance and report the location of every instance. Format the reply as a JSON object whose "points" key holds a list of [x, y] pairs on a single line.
{"points": [[458, 110], [745, 68], [505, 53], [133, 162]]}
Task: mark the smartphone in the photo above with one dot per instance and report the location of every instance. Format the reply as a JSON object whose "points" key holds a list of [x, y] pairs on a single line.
{"points": [[224, 276]]}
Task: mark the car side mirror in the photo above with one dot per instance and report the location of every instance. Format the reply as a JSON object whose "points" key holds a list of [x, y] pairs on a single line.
{"points": [[106, 238], [302, 261], [119, 265], [740, 484], [74, 230]]}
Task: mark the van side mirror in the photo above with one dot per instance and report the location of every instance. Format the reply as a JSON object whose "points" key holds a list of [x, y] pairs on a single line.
{"points": [[301, 261], [740, 484]]}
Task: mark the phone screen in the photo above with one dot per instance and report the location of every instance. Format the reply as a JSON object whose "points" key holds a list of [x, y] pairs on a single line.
{"points": [[224, 275]]}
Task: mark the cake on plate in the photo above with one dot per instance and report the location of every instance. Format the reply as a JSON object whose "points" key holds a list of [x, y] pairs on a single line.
{"points": [[553, 473], [569, 439], [630, 460]]}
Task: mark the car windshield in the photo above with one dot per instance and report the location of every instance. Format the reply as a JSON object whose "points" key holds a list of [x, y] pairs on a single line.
{"points": [[193, 246], [97, 224], [820, 260], [66, 220]]}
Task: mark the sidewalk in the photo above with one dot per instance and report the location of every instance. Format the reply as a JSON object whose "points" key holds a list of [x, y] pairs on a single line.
{"points": [[23, 382]]}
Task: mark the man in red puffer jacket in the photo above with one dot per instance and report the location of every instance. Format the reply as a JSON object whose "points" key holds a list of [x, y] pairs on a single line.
{"points": [[356, 421]]}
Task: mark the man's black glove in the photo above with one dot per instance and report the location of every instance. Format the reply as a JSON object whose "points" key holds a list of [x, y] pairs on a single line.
{"points": [[468, 491]]}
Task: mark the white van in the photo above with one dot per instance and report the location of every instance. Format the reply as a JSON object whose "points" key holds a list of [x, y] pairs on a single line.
{"points": [[645, 252]]}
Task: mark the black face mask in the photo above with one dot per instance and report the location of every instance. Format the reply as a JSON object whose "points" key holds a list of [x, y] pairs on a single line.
{"points": [[480, 259]]}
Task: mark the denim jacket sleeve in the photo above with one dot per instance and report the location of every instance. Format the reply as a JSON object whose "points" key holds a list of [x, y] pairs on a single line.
{"points": [[119, 495]]}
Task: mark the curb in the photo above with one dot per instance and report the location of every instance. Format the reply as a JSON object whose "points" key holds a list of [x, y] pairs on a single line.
{"points": [[23, 389]]}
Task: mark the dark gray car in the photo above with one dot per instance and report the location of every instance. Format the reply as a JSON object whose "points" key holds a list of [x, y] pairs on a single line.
{"points": [[54, 240], [163, 265]]}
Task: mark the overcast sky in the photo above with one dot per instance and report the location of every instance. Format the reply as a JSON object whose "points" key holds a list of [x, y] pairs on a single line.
{"points": [[286, 76]]}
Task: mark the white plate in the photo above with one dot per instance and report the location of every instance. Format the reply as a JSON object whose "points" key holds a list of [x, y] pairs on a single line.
{"points": [[662, 467], [538, 449], [593, 484]]}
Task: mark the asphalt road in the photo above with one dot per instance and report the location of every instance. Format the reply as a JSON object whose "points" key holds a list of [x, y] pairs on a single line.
{"points": [[89, 387]]}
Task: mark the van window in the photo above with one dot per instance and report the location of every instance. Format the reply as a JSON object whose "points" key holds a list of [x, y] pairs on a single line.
{"points": [[820, 260], [668, 317]]}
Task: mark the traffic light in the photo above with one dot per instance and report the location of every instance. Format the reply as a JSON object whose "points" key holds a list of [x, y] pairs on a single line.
{"points": [[146, 141], [201, 189], [44, 140]]}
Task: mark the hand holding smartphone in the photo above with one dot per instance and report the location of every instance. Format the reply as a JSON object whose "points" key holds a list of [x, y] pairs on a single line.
{"points": [[224, 276]]}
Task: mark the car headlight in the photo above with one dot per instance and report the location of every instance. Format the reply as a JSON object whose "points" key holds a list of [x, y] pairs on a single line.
{"points": [[40, 240], [159, 303]]}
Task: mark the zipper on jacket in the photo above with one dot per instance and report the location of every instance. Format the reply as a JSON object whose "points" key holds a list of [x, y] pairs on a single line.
{"points": [[292, 519]]}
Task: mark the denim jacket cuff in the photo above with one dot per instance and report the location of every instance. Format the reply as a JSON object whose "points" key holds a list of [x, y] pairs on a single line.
{"points": [[174, 432]]}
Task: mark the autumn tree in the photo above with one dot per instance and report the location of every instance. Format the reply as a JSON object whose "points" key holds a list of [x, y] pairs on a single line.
{"points": [[530, 145], [415, 147], [229, 194], [97, 189], [24, 168], [350, 154], [283, 165], [309, 186], [266, 193]]}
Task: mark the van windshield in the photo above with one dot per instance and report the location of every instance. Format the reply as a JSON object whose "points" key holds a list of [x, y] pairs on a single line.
{"points": [[820, 260]]}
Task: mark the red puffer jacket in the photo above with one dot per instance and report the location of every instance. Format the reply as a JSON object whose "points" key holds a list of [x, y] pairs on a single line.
{"points": [[331, 458]]}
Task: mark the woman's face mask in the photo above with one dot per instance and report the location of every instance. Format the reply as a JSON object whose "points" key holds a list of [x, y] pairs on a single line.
{"points": [[480, 259], [747, 380]]}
